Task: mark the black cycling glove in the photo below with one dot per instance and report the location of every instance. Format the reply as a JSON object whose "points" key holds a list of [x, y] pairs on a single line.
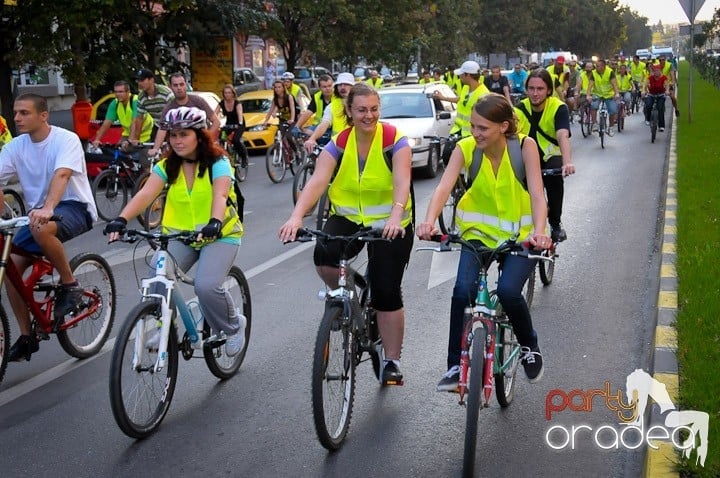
{"points": [[212, 230], [116, 225]]}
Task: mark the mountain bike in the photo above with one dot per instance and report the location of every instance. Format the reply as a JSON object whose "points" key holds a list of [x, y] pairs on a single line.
{"points": [[635, 99], [347, 331], [84, 330], [602, 115], [490, 353], [14, 204], [283, 154], [143, 375], [239, 159], [586, 122], [655, 115], [123, 178]]}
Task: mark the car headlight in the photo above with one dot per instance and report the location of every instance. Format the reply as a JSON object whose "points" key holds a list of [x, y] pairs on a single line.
{"points": [[414, 142], [258, 127]]}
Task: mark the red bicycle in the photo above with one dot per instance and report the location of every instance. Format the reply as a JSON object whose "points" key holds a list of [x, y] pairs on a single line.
{"points": [[84, 330]]}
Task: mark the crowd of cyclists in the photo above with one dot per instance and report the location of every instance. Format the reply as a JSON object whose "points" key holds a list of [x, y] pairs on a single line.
{"points": [[365, 168]]}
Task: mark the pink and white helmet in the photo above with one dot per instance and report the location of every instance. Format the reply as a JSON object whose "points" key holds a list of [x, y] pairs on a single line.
{"points": [[184, 117]]}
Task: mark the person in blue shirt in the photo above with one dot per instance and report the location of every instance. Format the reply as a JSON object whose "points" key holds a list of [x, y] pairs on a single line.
{"points": [[517, 79]]}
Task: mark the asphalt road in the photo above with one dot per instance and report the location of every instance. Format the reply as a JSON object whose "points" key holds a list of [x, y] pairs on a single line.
{"points": [[595, 325]]}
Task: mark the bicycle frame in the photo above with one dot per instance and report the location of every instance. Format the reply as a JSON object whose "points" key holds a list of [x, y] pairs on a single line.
{"points": [[40, 310]]}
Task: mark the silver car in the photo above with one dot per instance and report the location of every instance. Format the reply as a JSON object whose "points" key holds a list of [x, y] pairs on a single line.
{"points": [[416, 114]]}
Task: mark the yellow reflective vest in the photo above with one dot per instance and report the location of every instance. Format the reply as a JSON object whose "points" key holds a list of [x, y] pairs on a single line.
{"points": [[125, 117], [190, 210], [5, 135], [365, 197], [339, 118], [546, 124], [464, 108], [496, 206], [603, 86]]}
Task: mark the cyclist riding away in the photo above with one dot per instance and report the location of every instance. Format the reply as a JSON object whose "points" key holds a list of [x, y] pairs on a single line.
{"points": [[495, 207], [546, 119], [200, 198], [123, 109], [657, 84], [366, 192], [49, 162]]}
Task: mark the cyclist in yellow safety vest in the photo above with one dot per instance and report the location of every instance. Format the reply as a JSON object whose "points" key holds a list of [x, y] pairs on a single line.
{"points": [[320, 101], [366, 191], [495, 208], [200, 197], [638, 72], [469, 74], [453, 81], [5, 135], [334, 117], [603, 85], [625, 86], [668, 69], [546, 119], [426, 79], [122, 109], [375, 81], [559, 73]]}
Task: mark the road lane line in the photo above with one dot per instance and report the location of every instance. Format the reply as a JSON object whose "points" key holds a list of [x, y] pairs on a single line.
{"points": [[17, 391]]}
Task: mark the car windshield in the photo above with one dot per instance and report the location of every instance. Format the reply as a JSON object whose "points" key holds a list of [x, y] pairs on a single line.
{"points": [[405, 105], [302, 73], [259, 105]]}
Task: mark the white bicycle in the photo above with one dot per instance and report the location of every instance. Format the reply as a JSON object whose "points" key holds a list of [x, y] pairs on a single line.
{"points": [[143, 369]]}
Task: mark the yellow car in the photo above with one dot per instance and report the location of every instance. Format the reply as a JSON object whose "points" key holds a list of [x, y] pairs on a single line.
{"points": [[256, 105]]}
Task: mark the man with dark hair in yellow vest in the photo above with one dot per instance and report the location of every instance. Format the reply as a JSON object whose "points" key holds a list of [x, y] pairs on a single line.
{"points": [[546, 119], [472, 90], [320, 101], [122, 109]]}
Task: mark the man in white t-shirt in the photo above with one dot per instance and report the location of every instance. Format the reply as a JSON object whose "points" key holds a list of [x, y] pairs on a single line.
{"points": [[49, 163]]}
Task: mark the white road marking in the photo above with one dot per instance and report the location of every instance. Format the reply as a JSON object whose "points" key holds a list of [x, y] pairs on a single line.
{"points": [[17, 391]]}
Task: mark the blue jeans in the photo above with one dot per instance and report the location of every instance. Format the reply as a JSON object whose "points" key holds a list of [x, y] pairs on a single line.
{"points": [[514, 274], [649, 102]]}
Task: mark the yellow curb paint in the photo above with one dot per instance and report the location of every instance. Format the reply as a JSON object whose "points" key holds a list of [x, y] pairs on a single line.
{"points": [[668, 270], [671, 202], [670, 380], [667, 299], [666, 337], [670, 215], [668, 248], [670, 229], [661, 463]]}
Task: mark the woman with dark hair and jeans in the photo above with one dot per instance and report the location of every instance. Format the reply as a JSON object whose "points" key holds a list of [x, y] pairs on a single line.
{"points": [[495, 207], [199, 179], [366, 192]]}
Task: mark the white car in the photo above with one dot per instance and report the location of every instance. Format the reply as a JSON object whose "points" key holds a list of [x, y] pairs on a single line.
{"points": [[416, 114]]}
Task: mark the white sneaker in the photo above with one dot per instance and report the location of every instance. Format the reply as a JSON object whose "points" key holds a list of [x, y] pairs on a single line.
{"points": [[235, 343], [611, 131], [661, 129], [647, 123]]}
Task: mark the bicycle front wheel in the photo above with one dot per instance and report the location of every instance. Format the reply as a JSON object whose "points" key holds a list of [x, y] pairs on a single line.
{"points": [[86, 337], [241, 166], [507, 359], [218, 362], [601, 131], [275, 163], [4, 341], [528, 290], [139, 395], [110, 193], [653, 124], [333, 379], [14, 204], [547, 271], [476, 382]]}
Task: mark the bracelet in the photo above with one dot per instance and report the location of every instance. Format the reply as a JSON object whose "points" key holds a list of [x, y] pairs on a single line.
{"points": [[399, 204]]}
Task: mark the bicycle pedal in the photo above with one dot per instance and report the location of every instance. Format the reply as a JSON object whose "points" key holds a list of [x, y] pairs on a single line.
{"points": [[394, 382]]}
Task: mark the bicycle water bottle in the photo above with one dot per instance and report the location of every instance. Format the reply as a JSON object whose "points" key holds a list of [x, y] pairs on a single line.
{"points": [[193, 307]]}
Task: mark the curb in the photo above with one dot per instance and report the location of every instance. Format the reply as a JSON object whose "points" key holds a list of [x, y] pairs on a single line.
{"points": [[662, 462]]}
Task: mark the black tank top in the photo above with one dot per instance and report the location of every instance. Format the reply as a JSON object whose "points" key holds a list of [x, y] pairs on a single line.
{"points": [[231, 116]]}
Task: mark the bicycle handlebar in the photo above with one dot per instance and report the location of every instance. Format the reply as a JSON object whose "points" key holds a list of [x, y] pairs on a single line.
{"points": [[131, 236], [365, 234], [21, 221], [552, 172], [511, 247]]}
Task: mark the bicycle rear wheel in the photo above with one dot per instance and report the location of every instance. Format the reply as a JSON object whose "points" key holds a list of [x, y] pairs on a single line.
{"points": [[217, 361], [14, 204], [4, 341], [152, 217], [275, 163], [585, 122], [110, 193], [323, 211], [507, 353], [333, 379], [86, 337], [300, 180], [241, 166], [547, 270], [474, 400], [140, 396]]}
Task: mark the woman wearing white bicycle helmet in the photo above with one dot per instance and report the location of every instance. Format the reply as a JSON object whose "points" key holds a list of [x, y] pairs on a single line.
{"points": [[200, 197]]}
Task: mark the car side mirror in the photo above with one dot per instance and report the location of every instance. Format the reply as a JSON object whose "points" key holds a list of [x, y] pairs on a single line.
{"points": [[443, 115]]}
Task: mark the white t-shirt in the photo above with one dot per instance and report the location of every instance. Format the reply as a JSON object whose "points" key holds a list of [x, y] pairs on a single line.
{"points": [[35, 164]]}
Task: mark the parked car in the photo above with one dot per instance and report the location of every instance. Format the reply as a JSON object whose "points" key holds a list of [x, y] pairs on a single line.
{"points": [[308, 75], [246, 80], [413, 110], [255, 105], [361, 73]]}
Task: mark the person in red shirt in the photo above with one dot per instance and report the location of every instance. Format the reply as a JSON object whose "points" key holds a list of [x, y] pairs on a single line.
{"points": [[657, 84]]}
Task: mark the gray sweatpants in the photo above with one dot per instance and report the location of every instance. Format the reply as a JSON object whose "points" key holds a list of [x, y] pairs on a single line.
{"points": [[214, 262]]}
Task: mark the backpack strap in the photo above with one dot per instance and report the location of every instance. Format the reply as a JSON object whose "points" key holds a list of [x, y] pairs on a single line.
{"points": [[536, 125], [239, 203], [516, 161]]}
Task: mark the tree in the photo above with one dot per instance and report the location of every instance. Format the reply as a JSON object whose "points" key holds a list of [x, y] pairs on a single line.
{"points": [[637, 33]]}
